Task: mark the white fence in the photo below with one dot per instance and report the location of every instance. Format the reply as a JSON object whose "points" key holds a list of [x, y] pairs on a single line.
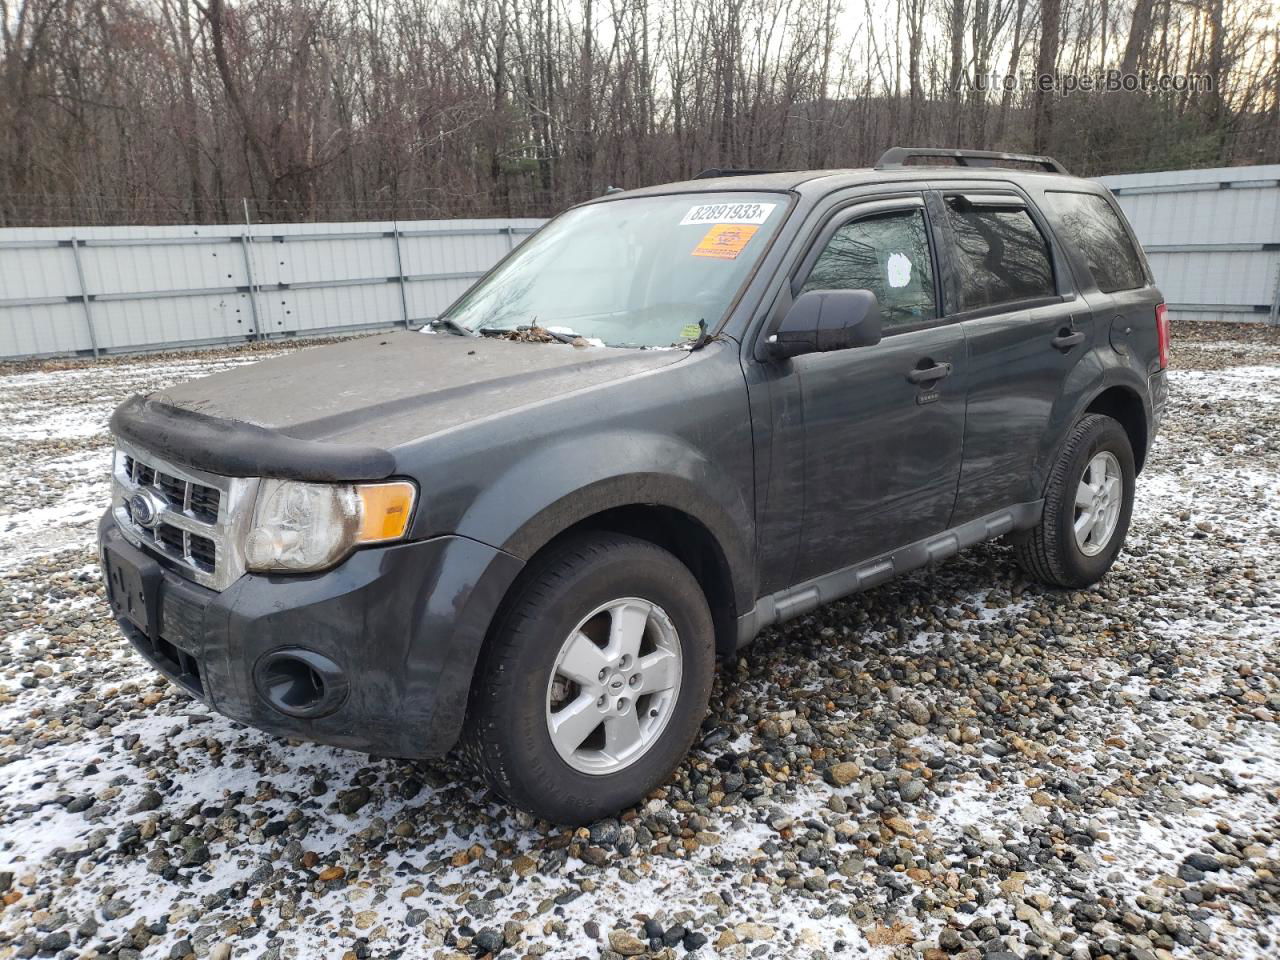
{"points": [[92, 290], [1212, 236]]}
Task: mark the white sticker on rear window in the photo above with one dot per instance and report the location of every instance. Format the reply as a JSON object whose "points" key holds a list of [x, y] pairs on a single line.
{"points": [[728, 213]]}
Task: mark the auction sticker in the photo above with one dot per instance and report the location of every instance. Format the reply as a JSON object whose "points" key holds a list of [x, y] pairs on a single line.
{"points": [[725, 241], [729, 213]]}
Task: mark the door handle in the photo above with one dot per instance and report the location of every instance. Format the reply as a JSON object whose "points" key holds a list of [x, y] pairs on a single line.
{"points": [[929, 374], [1066, 339]]}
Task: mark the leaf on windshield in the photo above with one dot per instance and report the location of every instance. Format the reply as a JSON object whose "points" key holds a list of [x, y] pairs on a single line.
{"points": [[530, 335]]}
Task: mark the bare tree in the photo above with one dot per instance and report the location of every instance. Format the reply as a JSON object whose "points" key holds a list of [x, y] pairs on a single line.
{"points": [[1139, 35], [1046, 70], [174, 110]]}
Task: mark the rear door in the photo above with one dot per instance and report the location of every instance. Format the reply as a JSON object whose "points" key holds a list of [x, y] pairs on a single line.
{"points": [[1025, 330], [882, 424]]}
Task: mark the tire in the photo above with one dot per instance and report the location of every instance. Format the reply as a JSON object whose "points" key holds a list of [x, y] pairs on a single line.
{"points": [[523, 676], [1051, 551]]}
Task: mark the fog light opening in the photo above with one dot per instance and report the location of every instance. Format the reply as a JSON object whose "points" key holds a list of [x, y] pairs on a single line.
{"points": [[292, 684], [300, 683]]}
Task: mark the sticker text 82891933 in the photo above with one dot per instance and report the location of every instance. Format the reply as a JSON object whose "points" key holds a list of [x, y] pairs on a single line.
{"points": [[728, 213]]}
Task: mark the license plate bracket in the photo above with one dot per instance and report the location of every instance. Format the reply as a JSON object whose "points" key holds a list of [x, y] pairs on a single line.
{"points": [[133, 590]]}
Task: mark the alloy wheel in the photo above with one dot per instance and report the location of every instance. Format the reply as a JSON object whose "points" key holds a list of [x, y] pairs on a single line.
{"points": [[614, 686], [1099, 498]]}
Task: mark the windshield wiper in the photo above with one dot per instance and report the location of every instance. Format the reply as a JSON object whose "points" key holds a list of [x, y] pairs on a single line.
{"points": [[562, 336], [453, 326]]}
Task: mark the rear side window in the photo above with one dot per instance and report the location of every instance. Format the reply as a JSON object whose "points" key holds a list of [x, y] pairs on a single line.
{"points": [[886, 254], [1090, 224], [1000, 255]]}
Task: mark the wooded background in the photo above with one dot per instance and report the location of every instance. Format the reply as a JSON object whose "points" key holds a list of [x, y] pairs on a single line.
{"points": [[171, 111]]}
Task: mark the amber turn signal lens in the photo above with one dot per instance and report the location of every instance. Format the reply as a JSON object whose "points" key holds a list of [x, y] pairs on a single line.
{"points": [[385, 509]]}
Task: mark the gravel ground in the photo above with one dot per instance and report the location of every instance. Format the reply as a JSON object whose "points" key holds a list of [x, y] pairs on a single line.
{"points": [[960, 763]]}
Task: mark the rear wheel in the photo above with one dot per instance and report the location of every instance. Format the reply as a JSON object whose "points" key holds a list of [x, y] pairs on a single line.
{"points": [[1087, 504], [595, 681]]}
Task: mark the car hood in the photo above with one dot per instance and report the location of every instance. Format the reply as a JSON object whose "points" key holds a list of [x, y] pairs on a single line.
{"points": [[366, 395]]}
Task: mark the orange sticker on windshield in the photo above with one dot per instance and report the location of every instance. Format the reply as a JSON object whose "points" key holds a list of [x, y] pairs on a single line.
{"points": [[725, 241]]}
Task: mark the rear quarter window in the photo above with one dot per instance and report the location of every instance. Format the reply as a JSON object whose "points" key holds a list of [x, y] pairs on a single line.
{"points": [[1088, 223]]}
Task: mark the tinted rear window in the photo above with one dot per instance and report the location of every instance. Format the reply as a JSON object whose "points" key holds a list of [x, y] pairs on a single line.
{"points": [[1090, 224], [1001, 255]]}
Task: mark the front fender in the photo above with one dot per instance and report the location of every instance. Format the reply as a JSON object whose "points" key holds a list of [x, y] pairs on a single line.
{"points": [[562, 483]]}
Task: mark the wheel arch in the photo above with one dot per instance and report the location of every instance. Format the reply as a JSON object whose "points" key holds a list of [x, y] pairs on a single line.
{"points": [[678, 531], [1124, 405]]}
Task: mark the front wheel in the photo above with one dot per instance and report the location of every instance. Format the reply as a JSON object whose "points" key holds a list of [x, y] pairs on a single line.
{"points": [[1087, 504], [595, 681]]}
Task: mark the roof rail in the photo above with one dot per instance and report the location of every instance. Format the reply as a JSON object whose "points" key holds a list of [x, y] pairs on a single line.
{"points": [[712, 172], [897, 157]]}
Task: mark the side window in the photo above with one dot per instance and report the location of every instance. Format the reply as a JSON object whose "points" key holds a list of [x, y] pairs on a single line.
{"points": [[1089, 223], [1000, 255], [887, 254]]}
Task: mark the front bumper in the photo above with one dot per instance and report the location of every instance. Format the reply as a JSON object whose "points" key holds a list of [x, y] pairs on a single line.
{"points": [[402, 625]]}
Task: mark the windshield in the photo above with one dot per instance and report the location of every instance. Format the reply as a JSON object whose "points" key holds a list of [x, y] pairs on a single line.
{"points": [[638, 272]]}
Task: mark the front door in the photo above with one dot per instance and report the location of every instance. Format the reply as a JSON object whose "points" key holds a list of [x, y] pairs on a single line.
{"points": [[883, 425]]}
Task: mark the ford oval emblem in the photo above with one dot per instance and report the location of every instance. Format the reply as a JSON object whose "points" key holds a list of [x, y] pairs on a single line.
{"points": [[142, 509]]}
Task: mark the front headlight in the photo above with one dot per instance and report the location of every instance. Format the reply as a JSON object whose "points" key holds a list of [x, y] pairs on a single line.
{"points": [[309, 526]]}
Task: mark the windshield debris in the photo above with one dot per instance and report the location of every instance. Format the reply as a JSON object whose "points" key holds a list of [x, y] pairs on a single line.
{"points": [[536, 334]]}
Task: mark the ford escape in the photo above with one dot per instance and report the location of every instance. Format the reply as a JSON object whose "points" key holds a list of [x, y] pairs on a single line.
{"points": [[671, 418]]}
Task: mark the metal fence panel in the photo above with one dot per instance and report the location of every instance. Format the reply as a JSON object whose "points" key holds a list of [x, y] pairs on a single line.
{"points": [[427, 298], [45, 329], [36, 272], [1212, 236], [81, 290], [1220, 216], [1217, 278]]}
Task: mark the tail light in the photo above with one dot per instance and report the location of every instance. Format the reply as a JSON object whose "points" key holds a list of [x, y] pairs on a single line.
{"points": [[1162, 333]]}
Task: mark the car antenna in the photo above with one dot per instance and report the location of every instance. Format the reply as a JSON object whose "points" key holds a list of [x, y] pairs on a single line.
{"points": [[612, 189], [701, 340]]}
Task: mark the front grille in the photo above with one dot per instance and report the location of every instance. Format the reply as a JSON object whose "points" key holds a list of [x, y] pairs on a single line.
{"points": [[174, 490], [204, 552], [188, 516], [200, 499], [170, 538], [205, 501]]}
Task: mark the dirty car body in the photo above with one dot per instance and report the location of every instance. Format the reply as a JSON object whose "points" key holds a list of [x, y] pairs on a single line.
{"points": [[780, 473]]}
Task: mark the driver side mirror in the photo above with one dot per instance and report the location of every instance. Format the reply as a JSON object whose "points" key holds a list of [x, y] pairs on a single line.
{"points": [[823, 320]]}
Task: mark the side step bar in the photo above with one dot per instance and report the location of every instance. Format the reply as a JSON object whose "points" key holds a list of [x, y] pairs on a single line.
{"points": [[807, 596]]}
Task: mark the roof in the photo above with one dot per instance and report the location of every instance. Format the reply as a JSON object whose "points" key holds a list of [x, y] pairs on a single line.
{"points": [[824, 181], [894, 164]]}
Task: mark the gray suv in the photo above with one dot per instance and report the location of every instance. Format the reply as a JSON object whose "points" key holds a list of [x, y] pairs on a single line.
{"points": [[671, 418]]}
